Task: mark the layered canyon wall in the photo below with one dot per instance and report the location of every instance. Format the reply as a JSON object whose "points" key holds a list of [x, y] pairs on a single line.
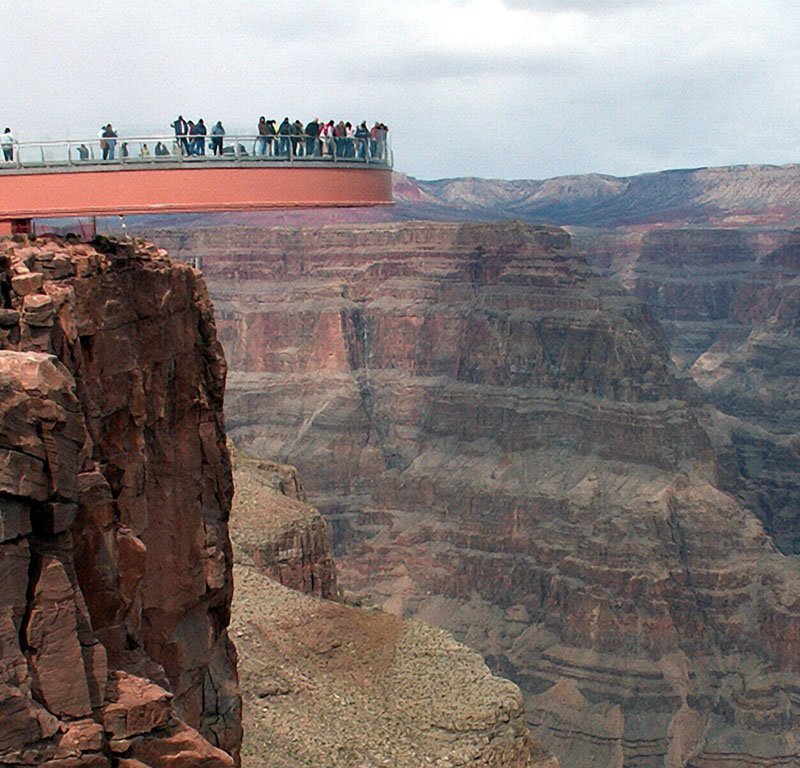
{"points": [[727, 301], [703, 285], [503, 448], [115, 490]]}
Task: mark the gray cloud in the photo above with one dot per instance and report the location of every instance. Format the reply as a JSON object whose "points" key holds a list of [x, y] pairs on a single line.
{"points": [[426, 66], [588, 6], [468, 87]]}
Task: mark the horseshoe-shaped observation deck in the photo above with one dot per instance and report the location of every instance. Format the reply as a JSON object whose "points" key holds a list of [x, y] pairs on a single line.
{"points": [[155, 174]]}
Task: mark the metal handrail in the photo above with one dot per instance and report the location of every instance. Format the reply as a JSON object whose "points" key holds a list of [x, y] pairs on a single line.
{"points": [[239, 148]]}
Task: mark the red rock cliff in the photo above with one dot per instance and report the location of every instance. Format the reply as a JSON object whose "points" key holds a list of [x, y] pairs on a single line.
{"points": [[115, 489]]}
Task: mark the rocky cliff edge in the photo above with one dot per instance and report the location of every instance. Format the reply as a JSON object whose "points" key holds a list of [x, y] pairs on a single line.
{"points": [[115, 488]]}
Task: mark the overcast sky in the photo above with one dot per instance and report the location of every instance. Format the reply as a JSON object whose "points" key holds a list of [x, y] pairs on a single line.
{"points": [[491, 88]]}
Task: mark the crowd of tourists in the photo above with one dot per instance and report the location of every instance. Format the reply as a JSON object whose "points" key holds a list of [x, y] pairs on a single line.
{"points": [[289, 139]]}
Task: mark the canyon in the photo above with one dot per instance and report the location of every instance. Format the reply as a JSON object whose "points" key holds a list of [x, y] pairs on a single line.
{"points": [[117, 565], [508, 445], [574, 449], [727, 300]]}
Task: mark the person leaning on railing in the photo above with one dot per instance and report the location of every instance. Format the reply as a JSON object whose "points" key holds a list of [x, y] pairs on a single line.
{"points": [[298, 139], [8, 142], [326, 138], [312, 138], [217, 132]]}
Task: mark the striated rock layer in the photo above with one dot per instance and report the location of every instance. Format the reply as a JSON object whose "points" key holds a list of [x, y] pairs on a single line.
{"points": [[703, 285], [326, 684], [727, 300], [755, 384], [502, 448], [115, 490]]}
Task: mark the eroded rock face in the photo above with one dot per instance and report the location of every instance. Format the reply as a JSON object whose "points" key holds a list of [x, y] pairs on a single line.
{"points": [[278, 532], [115, 490], [754, 384], [708, 285], [503, 449]]}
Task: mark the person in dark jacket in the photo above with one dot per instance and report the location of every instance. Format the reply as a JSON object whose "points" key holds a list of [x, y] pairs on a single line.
{"points": [[217, 132], [181, 131], [284, 131], [109, 142], [200, 133], [312, 134], [262, 135], [362, 137], [298, 145], [272, 133]]}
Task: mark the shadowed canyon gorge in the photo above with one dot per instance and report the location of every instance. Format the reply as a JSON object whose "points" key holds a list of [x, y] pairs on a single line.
{"points": [[511, 446]]}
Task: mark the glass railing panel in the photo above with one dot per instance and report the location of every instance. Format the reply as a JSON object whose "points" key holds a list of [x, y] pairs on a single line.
{"points": [[124, 150]]}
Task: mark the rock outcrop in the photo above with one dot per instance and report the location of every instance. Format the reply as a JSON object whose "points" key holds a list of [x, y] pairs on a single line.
{"points": [[115, 490], [327, 684], [278, 532], [502, 448]]}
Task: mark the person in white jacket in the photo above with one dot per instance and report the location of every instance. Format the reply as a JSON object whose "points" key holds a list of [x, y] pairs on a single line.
{"points": [[8, 141]]}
